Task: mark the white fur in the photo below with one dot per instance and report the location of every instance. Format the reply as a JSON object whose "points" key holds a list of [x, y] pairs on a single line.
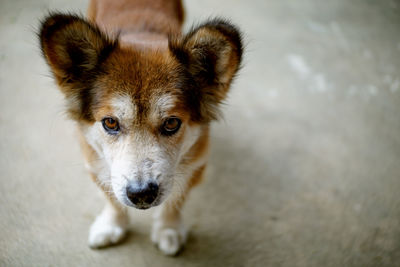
{"points": [[109, 228], [164, 103], [169, 237], [123, 108], [137, 158]]}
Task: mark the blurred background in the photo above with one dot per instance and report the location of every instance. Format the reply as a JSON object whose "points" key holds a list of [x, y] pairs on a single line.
{"points": [[304, 167]]}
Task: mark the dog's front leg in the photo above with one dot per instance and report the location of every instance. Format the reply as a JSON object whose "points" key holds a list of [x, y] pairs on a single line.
{"points": [[110, 226], [169, 232]]}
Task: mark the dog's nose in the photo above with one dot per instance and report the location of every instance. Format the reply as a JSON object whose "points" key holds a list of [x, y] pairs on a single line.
{"points": [[142, 196]]}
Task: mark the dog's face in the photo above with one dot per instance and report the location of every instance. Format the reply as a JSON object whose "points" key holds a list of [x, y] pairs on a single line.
{"points": [[142, 125], [141, 111]]}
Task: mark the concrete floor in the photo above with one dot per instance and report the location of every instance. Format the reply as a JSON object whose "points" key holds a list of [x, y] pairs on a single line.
{"points": [[304, 169]]}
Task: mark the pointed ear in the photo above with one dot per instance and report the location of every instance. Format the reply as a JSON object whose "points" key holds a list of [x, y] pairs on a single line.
{"points": [[211, 53], [73, 47], [74, 50]]}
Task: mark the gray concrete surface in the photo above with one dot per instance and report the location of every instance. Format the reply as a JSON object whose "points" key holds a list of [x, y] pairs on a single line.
{"points": [[304, 169]]}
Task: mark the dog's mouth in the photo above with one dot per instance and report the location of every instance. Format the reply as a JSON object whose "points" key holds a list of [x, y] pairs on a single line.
{"points": [[144, 206]]}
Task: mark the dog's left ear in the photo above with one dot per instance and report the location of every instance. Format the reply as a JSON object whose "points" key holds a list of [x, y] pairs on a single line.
{"points": [[212, 54]]}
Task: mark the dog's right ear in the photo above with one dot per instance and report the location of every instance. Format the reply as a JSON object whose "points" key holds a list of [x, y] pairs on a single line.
{"points": [[211, 53], [73, 47]]}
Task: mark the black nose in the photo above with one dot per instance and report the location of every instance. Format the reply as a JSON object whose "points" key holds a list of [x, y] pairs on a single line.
{"points": [[142, 196]]}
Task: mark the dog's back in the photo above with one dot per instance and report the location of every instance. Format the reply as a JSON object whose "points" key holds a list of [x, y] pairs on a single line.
{"points": [[143, 23]]}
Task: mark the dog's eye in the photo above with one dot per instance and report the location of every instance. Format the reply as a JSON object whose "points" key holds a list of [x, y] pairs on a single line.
{"points": [[171, 126], [110, 125]]}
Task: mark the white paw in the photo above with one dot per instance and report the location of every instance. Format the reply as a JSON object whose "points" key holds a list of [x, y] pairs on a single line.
{"points": [[105, 233], [169, 239]]}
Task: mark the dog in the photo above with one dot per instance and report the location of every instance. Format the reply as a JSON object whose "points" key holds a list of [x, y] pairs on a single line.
{"points": [[142, 95]]}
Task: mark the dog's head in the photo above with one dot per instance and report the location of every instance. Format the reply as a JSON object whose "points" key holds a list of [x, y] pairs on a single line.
{"points": [[141, 110]]}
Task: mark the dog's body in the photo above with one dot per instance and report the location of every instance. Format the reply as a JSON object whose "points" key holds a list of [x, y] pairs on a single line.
{"points": [[143, 96]]}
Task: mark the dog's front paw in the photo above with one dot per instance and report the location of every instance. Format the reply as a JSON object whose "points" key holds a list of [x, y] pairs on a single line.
{"points": [[104, 232], [169, 239]]}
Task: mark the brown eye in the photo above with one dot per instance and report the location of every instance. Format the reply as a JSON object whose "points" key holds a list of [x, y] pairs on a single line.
{"points": [[110, 125], [171, 126]]}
